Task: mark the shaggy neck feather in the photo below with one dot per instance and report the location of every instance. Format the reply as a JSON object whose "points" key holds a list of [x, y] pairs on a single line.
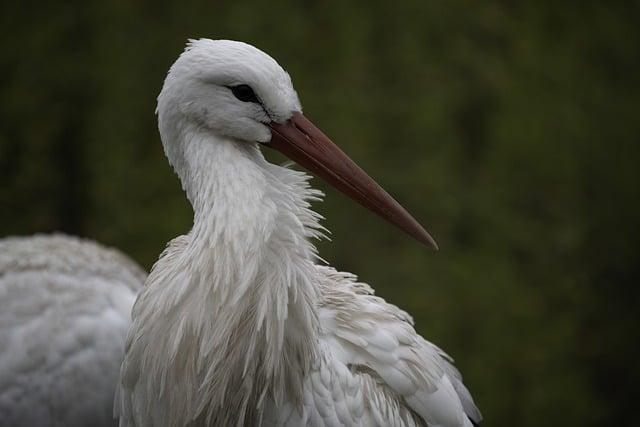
{"points": [[229, 310]]}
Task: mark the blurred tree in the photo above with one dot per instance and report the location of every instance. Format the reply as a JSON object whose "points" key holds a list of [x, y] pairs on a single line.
{"points": [[510, 128]]}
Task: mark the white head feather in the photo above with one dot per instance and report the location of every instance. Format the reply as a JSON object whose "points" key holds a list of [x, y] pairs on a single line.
{"points": [[197, 92]]}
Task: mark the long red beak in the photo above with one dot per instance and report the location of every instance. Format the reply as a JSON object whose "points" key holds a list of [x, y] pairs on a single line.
{"points": [[305, 144]]}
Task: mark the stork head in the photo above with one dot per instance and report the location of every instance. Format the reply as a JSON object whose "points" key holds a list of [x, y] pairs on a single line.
{"points": [[231, 88], [236, 91]]}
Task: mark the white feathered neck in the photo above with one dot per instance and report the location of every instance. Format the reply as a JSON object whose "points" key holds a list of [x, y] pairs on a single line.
{"points": [[227, 319]]}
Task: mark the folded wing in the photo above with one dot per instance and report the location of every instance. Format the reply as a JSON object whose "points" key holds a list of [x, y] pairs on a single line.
{"points": [[377, 339]]}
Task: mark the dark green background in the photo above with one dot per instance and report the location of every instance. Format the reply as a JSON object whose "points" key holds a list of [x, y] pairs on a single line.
{"points": [[510, 128]]}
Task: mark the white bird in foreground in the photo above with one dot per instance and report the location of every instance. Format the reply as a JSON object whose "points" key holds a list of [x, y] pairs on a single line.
{"points": [[65, 308], [237, 323]]}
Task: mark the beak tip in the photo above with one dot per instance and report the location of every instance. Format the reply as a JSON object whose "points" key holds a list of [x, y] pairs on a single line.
{"points": [[417, 231], [428, 241]]}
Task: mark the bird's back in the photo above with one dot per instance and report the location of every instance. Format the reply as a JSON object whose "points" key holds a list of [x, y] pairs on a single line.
{"points": [[64, 311]]}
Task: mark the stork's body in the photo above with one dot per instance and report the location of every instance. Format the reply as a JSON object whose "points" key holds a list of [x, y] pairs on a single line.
{"points": [[64, 313], [237, 323]]}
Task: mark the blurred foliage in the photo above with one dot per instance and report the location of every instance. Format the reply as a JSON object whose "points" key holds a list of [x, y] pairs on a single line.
{"points": [[510, 128]]}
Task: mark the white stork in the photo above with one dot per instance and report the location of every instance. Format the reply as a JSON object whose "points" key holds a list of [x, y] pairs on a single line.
{"points": [[238, 324], [65, 308]]}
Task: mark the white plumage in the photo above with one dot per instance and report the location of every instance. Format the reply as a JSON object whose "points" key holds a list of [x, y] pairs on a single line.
{"points": [[64, 312], [237, 323]]}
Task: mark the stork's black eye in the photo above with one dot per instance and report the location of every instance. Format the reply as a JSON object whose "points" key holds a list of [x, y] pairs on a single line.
{"points": [[244, 93]]}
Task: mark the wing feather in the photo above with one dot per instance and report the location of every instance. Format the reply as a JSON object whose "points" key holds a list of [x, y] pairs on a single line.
{"points": [[377, 338]]}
